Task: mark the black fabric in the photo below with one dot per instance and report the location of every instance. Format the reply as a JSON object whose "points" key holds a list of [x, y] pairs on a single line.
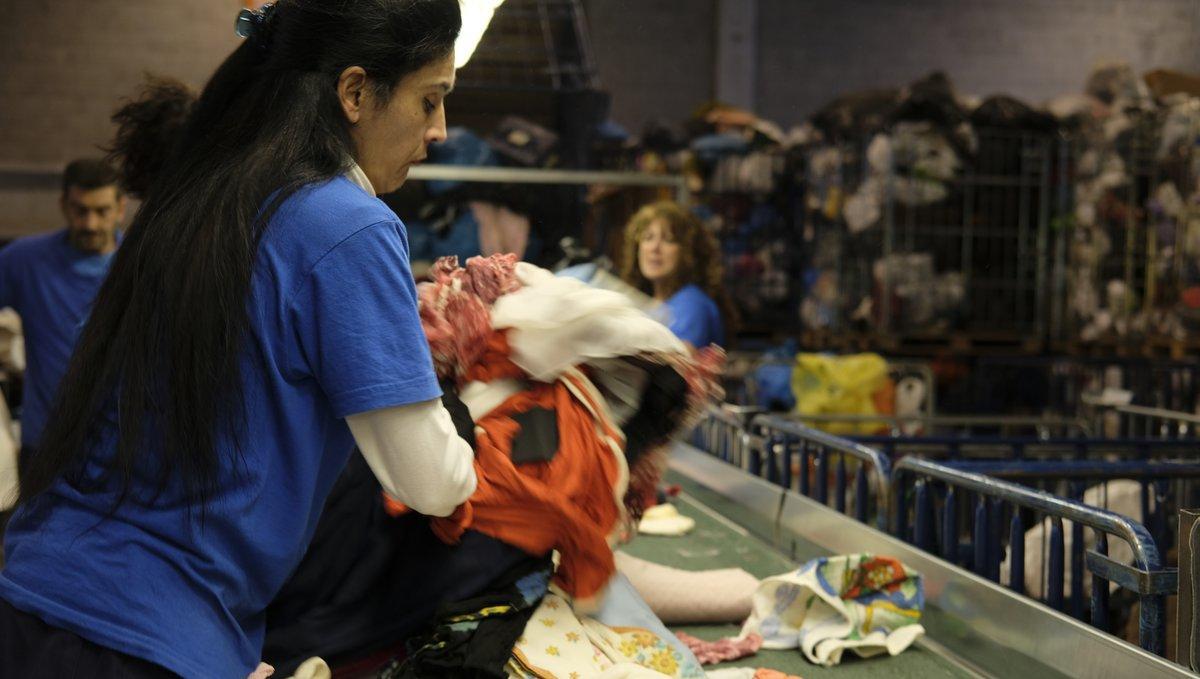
{"points": [[525, 142], [459, 413], [474, 638], [31, 649], [930, 99], [369, 581], [537, 441], [664, 403], [1007, 113], [24, 455], [857, 114]]}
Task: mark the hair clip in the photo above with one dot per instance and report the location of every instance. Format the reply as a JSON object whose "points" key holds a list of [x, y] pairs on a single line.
{"points": [[249, 22]]}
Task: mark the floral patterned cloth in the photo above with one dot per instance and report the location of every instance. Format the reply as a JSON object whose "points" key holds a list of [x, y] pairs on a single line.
{"points": [[869, 604], [558, 644]]}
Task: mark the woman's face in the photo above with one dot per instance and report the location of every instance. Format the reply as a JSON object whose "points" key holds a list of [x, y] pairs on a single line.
{"points": [[390, 137], [658, 253]]}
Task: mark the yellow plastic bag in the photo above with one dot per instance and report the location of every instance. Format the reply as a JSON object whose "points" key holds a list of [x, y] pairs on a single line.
{"points": [[841, 385]]}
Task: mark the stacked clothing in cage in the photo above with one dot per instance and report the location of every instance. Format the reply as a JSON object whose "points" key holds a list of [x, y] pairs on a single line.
{"points": [[1134, 174], [575, 393]]}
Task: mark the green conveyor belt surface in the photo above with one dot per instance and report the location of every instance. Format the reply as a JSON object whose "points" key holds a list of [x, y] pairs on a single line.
{"points": [[717, 543]]}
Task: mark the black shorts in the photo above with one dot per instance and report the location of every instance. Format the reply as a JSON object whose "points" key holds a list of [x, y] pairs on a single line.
{"points": [[31, 649]]}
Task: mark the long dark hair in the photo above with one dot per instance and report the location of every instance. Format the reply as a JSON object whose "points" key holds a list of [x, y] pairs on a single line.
{"points": [[163, 342], [148, 127]]}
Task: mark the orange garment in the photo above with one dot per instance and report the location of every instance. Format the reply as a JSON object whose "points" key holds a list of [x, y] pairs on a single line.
{"points": [[495, 363], [571, 503]]}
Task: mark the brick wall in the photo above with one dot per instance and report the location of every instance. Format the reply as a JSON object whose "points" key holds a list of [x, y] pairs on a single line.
{"points": [[64, 66]]}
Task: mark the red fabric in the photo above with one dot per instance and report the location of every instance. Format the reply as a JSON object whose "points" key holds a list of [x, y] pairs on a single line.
{"points": [[456, 322], [721, 650], [455, 308], [566, 504], [493, 276]]}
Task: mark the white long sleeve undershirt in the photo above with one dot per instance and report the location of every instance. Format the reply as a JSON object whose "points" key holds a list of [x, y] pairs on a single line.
{"points": [[417, 455]]}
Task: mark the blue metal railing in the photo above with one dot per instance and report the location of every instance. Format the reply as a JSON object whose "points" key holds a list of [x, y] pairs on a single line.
{"points": [[723, 432], [1163, 487], [798, 458], [925, 502], [1154, 423], [1024, 447], [919, 486], [962, 426], [778, 442]]}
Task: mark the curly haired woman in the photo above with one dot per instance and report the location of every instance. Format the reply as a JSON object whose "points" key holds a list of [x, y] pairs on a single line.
{"points": [[668, 254]]}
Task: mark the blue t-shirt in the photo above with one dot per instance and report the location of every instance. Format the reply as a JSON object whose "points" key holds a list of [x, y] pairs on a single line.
{"points": [[51, 285], [694, 317], [333, 331]]}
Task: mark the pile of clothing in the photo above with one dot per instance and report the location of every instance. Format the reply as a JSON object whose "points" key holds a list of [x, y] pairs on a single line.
{"points": [[864, 603], [575, 393], [1137, 174]]}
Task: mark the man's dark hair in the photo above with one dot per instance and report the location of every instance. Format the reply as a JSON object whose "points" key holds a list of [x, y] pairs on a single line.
{"points": [[89, 174]]}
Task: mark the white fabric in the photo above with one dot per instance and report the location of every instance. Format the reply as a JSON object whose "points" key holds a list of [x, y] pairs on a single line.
{"points": [[12, 341], [8, 460], [417, 455], [356, 175], [554, 322], [482, 398], [313, 668], [665, 520], [807, 608]]}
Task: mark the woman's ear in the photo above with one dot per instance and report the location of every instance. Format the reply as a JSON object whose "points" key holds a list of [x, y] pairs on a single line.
{"points": [[352, 92]]}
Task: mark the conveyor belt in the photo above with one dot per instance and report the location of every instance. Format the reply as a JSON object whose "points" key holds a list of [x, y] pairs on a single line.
{"points": [[719, 543], [975, 627]]}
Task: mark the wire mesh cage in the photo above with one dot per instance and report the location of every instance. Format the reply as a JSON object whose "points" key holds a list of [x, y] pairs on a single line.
{"points": [[1127, 263], [918, 231]]}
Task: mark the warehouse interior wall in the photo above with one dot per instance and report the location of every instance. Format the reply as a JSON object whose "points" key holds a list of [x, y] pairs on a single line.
{"points": [[656, 56], [1034, 50], [65, 65]]}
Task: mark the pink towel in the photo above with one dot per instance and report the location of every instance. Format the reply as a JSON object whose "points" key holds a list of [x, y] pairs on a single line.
{"points": [[680, 597], [721, 650]]}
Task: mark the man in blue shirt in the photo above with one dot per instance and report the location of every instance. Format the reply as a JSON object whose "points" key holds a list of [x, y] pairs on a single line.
{"points": [[51, 280]]}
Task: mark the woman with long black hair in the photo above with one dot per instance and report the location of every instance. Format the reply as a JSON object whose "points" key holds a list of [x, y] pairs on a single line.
{"points": [[258, 322]]}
